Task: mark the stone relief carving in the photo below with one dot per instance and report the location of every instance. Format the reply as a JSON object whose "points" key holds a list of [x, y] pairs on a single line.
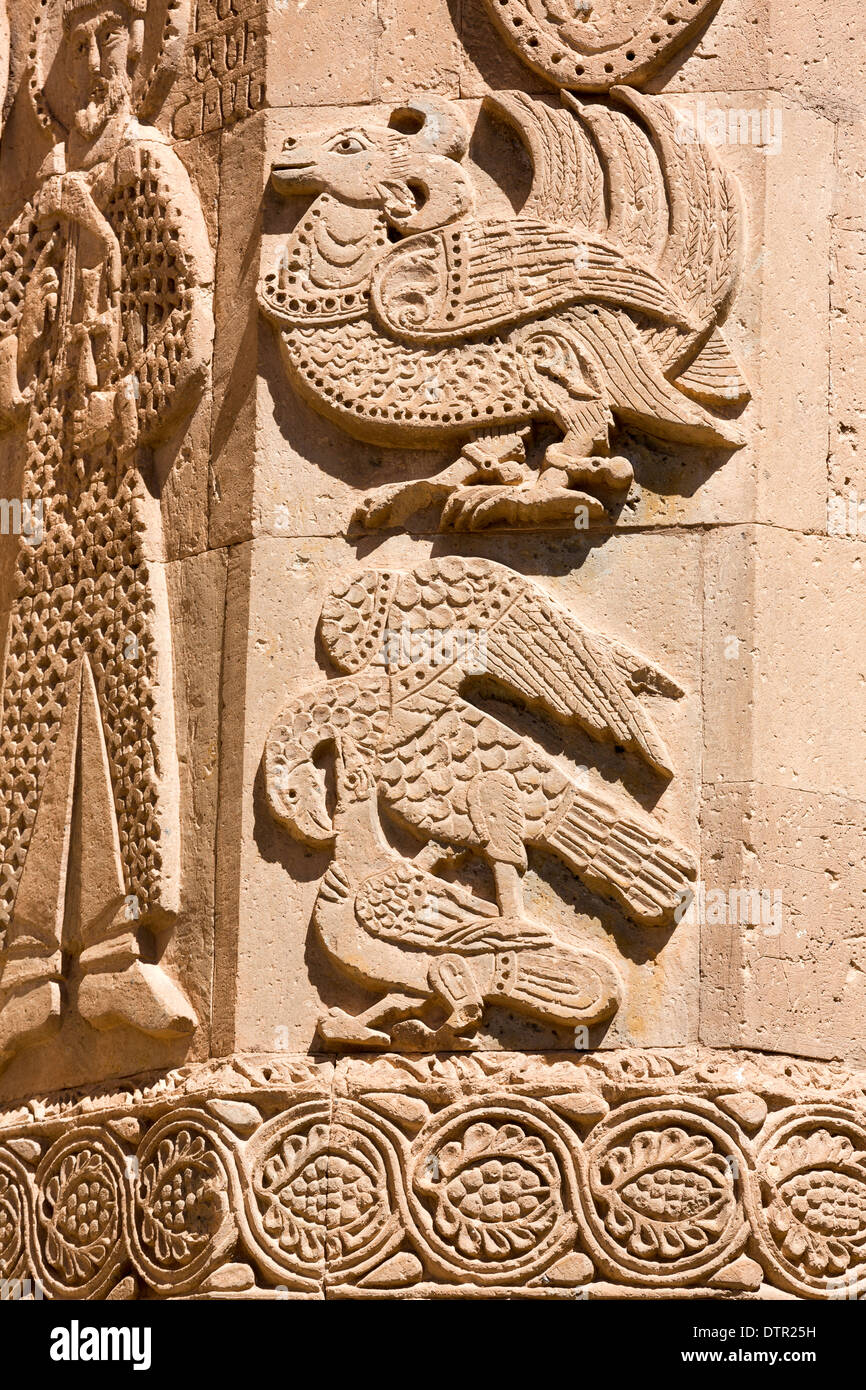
{"points": [[725, 1176], [408, 318], [590, 45], [105, 338], [405, 738], [222, 79]]}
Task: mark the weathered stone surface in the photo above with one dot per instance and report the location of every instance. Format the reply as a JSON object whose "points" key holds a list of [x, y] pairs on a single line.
{"points": [[431, 699]]}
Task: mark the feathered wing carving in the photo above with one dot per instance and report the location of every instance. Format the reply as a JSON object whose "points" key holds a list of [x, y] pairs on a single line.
{"points": [[541, 653], [622, 214], [479, 277], [702, 253], [664, 205], [524, 640], [408, 905], [567, 178]]}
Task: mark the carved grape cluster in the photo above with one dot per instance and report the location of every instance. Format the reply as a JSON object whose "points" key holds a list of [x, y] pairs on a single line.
{"points": [[81, 1213]]}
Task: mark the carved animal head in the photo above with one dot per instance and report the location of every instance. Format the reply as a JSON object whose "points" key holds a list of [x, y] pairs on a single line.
{"points": [[410, 168], [347, 717], [296, 793]]}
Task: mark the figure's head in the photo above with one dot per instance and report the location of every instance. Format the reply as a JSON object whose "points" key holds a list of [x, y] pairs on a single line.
{"points": [[296, 793], [341, 724], [102, 44], [410, 168]]}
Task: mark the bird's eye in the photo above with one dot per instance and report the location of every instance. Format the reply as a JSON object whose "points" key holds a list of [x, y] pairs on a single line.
{"points": [[348, 145]]}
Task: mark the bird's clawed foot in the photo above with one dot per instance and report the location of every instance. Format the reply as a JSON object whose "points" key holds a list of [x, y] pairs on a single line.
{"points": [[394, 504], [454, 986], [547, 499], [604, 473], [339, 1029], [496, 458], [490, 484]]}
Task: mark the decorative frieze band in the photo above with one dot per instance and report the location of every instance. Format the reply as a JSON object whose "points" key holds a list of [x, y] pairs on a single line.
{"points": [[619, 1174]]}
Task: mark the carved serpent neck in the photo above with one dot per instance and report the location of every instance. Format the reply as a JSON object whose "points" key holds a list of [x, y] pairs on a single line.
{"points": [[327, 263]]}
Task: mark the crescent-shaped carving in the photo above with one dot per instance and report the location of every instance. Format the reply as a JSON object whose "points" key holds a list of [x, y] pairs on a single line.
{"points": [[592, 45]]}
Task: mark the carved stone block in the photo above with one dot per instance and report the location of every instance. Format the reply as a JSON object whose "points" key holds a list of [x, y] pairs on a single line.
{"points": [[431, 670]]}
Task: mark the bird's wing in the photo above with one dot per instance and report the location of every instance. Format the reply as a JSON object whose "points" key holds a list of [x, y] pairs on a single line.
{"points": [[418, 909], [567, 176], [539, 651], [485, 620], [703, 251], [626, 856], [639, 392], [480, 277]]}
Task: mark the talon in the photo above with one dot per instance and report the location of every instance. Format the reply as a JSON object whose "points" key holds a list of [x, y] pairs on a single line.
{"points": [[613, 473], [339, 1028], [473, 508]]}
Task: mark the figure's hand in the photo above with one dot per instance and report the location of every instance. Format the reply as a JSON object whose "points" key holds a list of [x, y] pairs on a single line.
{"points": [[65, 196], [69, 198], [126, 418], [93, 422], [13, 404], [37, 311], [48, 202], [107, 415]]}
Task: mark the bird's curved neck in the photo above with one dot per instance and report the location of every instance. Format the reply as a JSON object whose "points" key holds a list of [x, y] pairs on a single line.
{"points": [[329, 261]]}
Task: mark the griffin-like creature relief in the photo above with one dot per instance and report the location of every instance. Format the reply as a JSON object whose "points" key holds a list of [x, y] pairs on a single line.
{"points": [[410, 319], [408, 741]]}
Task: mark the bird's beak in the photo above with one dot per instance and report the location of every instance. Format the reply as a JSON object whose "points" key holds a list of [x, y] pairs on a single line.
{"points": [[294, 173], [313, 826], [296, 792]]}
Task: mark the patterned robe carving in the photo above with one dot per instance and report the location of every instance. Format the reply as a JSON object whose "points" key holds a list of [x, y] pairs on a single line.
{"points": [[130, 307]]}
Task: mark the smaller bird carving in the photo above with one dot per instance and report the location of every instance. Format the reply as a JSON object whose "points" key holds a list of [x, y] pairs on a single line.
{"points": [[463, 782], [386, 921]]}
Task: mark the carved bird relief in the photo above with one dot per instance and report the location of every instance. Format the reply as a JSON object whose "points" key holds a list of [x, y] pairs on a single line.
{"points": [[409, 744], [409, 319]]}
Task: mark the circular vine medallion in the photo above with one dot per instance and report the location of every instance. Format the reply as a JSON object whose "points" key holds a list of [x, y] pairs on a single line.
{"points": [[15, 1215], [81, 1214], [492, 1189], [182, 1222], [662, 1192], [591, 45], [810, 1215], [324, 1192]]}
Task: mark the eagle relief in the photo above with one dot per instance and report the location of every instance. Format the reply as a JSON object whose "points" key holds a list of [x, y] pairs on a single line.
{"points": [[405, 740]]}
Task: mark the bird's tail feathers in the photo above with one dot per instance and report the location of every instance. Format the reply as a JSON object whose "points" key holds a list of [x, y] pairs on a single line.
{"points": [[558, 984], [617, 855]]}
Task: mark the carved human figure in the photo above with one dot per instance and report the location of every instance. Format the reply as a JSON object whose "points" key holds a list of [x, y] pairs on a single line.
{"points": [[105, 338]]}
